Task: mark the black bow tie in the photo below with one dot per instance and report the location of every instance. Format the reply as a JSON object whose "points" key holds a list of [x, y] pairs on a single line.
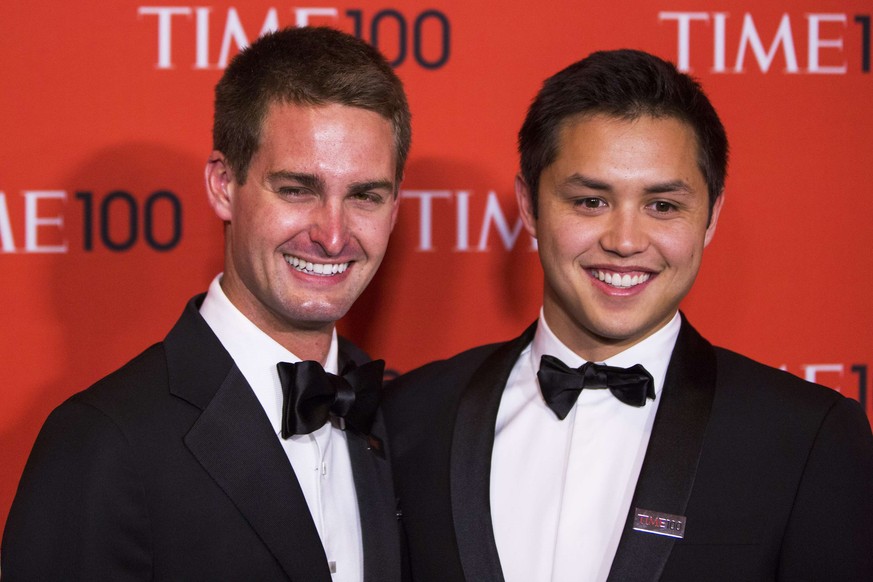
{"points": [[312, 395], [561, 384]]}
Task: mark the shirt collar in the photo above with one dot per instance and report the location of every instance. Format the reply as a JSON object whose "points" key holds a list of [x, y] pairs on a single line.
{"points": [[254, 352]]}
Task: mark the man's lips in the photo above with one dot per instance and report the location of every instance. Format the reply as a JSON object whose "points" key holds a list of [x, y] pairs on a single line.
{"points": [[310, 268], [620, 280]]}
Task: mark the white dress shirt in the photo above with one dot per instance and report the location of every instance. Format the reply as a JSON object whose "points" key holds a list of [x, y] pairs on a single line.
{"points": [[561, 490], [320, 459]]}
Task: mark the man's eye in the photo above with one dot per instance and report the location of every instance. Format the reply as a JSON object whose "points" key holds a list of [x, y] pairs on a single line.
{"points": [[590, 202], [661, 206], [291, 191], [370, 197]]}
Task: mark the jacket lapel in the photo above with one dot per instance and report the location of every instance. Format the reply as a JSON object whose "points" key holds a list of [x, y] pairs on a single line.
{"points": [[670, 466], [377, 507], [471, 461], [234, 442], [375, 492]]}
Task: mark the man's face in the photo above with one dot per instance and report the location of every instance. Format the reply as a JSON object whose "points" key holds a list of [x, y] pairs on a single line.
{"points": [[623, 220], [308, 229]]}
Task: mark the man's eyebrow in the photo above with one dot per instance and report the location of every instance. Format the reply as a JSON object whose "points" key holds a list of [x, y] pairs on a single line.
{"points": [[672, 186], [360, 187], [310, 181], [587, 182]]}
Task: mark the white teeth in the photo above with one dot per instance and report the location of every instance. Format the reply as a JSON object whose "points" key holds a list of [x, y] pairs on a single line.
{"points": [[310, 268], [621, 281]]}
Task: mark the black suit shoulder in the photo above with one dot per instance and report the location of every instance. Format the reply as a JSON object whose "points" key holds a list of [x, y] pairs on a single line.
{"points": [[137, 400], [414, 401], [122, 393], [738, 370], [443, 373], [791, 457], [86, 473], [779, 402]]}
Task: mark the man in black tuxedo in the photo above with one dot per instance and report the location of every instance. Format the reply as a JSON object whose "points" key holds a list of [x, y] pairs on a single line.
{"points": [[610, 441], [226, 452]]}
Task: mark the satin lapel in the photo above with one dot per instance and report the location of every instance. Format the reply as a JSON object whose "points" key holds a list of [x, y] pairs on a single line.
{"points": [[378, 510], [234, 442], [470, 476], [670, 465], [375, 492]]}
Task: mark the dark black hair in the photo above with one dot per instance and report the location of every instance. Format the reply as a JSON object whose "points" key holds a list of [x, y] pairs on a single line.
{"points": [[306, 66], [624, 84]]}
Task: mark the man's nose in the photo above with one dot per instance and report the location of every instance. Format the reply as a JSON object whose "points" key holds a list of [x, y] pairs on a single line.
{"points": [[329, 228], [625, 233]]}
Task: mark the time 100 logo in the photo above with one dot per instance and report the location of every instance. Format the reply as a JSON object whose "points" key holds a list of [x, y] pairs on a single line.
{"points": [[133, 217], [422, 38], [429, 26]]}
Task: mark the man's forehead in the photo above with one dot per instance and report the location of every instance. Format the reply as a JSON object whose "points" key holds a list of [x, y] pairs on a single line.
{"points": [[613, 128], [661, 151], [604, 118]]}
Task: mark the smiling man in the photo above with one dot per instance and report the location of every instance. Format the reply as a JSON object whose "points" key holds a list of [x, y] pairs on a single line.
{"points": [[610, 441], [245, 446]]}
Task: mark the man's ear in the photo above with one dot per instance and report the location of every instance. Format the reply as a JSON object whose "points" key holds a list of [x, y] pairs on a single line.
{"points": [[525, 205], [396, 201], [713, 220], [394, 211], [219, 179]]}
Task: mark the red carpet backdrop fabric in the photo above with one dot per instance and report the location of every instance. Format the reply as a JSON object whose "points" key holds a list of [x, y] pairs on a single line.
{"points": [[105, 127]]}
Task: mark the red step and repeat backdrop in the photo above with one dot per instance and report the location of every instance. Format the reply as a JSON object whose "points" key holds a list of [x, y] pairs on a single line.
{"points": [[105, 119]]}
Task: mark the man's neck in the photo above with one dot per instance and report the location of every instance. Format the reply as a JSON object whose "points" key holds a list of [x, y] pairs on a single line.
{"points": [[305, 344], [310, 341], [307, 341], [590, 347]]}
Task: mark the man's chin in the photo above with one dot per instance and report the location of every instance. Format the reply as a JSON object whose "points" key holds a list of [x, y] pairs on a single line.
{"points": [[317, 318]]}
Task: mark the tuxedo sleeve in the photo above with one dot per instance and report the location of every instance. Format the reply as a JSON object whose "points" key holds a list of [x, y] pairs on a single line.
{"points": [[830, 531], [79, 513]]}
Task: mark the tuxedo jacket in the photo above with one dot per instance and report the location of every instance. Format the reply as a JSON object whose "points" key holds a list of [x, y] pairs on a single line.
{"points": [[169, 469], [773, 475]]}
